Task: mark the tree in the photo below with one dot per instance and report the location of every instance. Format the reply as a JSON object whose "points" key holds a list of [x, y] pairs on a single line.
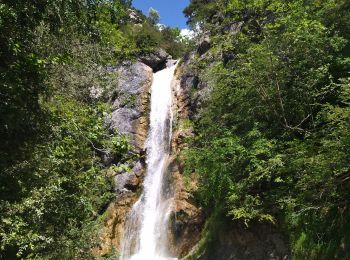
{"points": [[153, 16], [272, 138]]}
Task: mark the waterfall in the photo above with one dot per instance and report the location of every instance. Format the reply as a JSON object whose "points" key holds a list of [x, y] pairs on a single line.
{"points": [[145, 235]]}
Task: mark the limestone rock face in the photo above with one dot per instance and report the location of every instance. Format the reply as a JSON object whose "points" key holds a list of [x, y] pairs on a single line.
{"points": [[134, 78], [129, 117], [131, 103], [186, 220], [122, 118]]}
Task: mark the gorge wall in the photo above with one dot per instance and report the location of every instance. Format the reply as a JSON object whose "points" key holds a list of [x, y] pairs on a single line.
{"points": [[186, 232], [129, 116]]}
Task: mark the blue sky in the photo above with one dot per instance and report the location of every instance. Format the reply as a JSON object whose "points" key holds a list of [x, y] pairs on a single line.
{"points": [[170, 10]]}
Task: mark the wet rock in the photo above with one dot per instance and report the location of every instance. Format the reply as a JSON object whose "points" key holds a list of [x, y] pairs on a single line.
{"points": [[113, 224], [156, 60], [186, 218]]}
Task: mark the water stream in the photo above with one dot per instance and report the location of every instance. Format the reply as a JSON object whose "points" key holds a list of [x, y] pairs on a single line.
{"points": [[145, 235]]}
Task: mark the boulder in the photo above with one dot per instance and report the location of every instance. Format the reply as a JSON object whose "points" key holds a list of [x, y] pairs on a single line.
{"points": [[157, 60], [126, 181], [130, 180], [133, 78], [170, 62], [121, 120]]}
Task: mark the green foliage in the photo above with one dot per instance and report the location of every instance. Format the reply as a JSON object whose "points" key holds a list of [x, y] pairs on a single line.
{"points": [[53, 209], [56, 82], [272, 140], [148, 38], [200, 11], [53, 185], [153, 16]]}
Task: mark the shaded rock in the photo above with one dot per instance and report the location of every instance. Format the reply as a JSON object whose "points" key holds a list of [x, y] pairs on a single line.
{"points": [[186, 219], [188, 58], [191, 93], [139, 168], [200, 95], [130, 181], [234, 241], [204, 44], [233, 29], [156, 60], [107, 158]]}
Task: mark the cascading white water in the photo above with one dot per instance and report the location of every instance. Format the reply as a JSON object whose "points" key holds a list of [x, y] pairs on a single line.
{"points": [[145, 229]]}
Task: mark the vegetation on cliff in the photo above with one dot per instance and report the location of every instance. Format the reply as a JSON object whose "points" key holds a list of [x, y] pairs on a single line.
{"points": [[272, 140]]}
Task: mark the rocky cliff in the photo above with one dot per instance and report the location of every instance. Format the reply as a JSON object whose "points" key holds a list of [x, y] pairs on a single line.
{"points": [[130, 117]]}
